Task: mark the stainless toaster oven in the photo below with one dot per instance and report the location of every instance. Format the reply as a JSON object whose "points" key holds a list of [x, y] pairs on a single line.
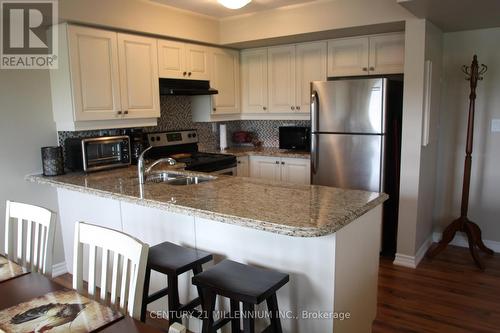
{"points": [[99, 153]]}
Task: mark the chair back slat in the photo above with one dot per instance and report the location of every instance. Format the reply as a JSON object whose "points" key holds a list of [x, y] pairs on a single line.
{"points": [[33, 252], [104, 275], [92, 270], [128, 266]]}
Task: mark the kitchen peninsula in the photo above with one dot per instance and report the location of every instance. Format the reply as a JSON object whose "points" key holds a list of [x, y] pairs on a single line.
{"points": [[327, 239]]}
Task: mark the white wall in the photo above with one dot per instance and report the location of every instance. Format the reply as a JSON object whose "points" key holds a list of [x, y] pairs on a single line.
{"points": [[142, 16], [309, 18], [418, 163], [25, 126], [484, 208]]}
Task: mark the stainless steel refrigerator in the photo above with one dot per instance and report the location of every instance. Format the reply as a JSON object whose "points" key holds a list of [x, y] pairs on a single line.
{"points": [[348, 133], [355, 140]]}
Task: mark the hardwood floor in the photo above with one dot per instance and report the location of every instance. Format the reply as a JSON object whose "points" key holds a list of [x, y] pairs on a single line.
{"points": [[447, 294]]}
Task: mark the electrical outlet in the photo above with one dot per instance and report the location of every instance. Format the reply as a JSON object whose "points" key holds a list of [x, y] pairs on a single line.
{"points": [[495, 125]]}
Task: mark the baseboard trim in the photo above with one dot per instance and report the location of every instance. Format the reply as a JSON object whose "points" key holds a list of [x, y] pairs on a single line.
{"points": [[413, 261], [59, 269], [461, 240]]}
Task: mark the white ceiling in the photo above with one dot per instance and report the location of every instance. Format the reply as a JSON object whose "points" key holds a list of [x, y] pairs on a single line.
{"points": [[456, 15], [214, 9]]}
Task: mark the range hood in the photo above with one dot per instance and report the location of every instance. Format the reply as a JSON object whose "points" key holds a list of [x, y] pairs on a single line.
{"points": [[186, 87]]}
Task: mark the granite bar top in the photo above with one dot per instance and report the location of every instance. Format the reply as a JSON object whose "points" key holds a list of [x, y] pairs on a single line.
{"points": [[263, 151], [282, 208]]}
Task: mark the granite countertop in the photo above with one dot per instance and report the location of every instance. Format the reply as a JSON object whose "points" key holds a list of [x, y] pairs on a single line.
{"points": [[263, 151], [282, 208]]}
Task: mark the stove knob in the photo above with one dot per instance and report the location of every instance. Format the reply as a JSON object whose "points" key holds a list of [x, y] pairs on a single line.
{"points": [[194, 135], [152, 139], [158, 138], [189, 135]]}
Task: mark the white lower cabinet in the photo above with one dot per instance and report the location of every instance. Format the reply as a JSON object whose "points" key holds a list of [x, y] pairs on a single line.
{"points": [[296, 170], [243, 166], [285, 169]]}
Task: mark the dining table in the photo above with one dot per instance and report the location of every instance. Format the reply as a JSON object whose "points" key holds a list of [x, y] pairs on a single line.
{"points": [[26, 287]]}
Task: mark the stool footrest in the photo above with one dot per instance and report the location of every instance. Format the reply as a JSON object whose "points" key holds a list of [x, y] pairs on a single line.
{"points": [[221, 322], [157, 295], [190, 305]]}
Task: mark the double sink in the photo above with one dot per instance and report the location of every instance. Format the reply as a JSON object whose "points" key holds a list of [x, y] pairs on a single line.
{"points": [[170, 178]]}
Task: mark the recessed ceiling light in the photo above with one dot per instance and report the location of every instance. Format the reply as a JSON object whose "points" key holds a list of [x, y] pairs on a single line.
{"points": [[234, 4]]}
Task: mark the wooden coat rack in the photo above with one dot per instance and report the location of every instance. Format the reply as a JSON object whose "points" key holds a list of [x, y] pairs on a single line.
{"points": [[474, 73]]}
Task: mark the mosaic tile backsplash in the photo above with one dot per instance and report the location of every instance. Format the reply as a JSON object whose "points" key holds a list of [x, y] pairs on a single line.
{"points": [[176, 115]]}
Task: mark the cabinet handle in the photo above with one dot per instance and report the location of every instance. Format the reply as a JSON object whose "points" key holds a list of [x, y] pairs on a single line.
{"points": [[283, 163], [239, 162], [277, 162], [293, 107], [185, 73], [215, 109], [264, 108], [365, 69], [119, 112], [189, 74], [298, 107], [125, 112], [372, 68]]}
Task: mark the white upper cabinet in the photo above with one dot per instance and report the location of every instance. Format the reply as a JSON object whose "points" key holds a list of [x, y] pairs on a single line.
{"points": [[182, 61], [171, 59], [225, 77], [104, 80], [93, 56], [197, 63], [281, 79], [254, 81], [373, 55], [348, 56], [138, 76], [310, 66], [387, 54]]}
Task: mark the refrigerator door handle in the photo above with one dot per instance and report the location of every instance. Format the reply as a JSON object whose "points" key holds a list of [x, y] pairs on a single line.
{"points": [[314, 128]]}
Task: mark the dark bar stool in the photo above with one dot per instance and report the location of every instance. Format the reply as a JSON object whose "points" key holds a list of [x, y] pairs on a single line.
{"points": [[240, 283], [173, 260]]}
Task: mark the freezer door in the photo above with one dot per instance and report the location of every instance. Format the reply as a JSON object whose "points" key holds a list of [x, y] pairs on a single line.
{"points": [[348, 161], [349, 106]]}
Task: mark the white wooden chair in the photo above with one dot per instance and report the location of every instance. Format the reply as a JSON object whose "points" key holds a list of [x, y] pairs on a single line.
{"points": [[127, 267], [29, 236]]}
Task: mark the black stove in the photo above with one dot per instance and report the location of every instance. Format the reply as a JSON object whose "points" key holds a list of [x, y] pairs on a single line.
{"points": [[183, 147]]}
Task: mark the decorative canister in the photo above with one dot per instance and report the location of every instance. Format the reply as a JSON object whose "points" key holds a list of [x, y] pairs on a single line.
{"points": [[53, 161]]}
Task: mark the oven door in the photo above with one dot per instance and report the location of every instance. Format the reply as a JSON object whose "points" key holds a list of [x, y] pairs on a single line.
{"points": [[227, 172], [105, 153]]}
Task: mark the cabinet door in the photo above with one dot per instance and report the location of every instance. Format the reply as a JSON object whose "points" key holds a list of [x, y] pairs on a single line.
{"points": [[138, 57], [265, 167], [310, 66], [94, 72], [243, 166], [348, 57], [281, 79], [254, 81], [296, 170], [197, 64], [171, 59], [225, 77], [387, 54]]}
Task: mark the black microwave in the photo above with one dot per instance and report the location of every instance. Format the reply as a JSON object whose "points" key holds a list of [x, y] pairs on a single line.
{"points": [[295, 138]]}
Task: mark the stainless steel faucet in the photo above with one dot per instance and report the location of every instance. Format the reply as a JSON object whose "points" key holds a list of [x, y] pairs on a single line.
{"points": [[142, 171]]}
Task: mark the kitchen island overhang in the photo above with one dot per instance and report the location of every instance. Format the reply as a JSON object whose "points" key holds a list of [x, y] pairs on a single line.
{"points": [[327, 239]]}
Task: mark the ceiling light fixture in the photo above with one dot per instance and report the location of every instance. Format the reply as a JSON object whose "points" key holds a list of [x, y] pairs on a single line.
{"points": [[234, 4]]}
